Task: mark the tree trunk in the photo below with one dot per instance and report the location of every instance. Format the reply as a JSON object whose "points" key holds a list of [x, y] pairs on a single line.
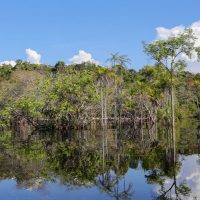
{"points": [[172, 112], [105, 106], [102, 110]]}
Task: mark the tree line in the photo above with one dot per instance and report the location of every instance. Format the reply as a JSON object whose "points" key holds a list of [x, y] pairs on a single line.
{"points": [[88, 95]]}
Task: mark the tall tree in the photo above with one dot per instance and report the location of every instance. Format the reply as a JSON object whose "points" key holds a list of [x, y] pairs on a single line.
{"points": [[104, 77], [119, 63], [168, 53]]}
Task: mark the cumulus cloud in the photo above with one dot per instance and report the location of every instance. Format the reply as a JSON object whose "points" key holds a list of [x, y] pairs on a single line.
{"points": [[81, 57], [164, 33], [11, 62], [33, 56]]}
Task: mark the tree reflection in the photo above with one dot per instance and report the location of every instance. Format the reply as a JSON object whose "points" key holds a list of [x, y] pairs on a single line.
{"points": [[175, 190], [100, 158], [109, 183]]}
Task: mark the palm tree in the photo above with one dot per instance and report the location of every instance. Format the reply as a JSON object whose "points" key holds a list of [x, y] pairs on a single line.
{"points": [[118, 62], [117, 59]]}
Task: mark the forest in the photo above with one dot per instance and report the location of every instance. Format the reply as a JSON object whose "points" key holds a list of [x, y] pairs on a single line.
{"points": [[87, 95], [110, 128]]}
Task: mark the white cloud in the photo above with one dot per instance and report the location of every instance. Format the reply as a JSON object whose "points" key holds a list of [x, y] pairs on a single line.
{"points": [[81, 57], [11, 62], [164, 33], [33, 56]]}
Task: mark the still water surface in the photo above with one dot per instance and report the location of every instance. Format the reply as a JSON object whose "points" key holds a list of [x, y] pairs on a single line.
{"points": [[111, 164]]}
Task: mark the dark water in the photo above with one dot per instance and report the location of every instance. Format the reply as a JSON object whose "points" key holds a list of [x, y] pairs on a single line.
{"points": [[110, 164]]}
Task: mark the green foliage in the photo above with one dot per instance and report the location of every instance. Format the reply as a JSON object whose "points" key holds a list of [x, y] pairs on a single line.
{"points": [[5, 72], [75, 95], [167, 52]]}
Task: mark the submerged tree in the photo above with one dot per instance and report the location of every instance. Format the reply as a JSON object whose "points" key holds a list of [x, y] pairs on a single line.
{"points": [[170, 54]]}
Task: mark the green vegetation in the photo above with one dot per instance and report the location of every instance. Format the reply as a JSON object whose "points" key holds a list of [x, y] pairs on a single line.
{"points": [[87, 95]]}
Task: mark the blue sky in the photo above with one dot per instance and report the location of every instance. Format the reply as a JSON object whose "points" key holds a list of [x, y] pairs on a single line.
{"points": [[58, 29]]}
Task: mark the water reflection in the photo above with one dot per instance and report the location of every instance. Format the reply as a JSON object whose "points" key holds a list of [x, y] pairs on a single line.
{"points": [[118, 163]]}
